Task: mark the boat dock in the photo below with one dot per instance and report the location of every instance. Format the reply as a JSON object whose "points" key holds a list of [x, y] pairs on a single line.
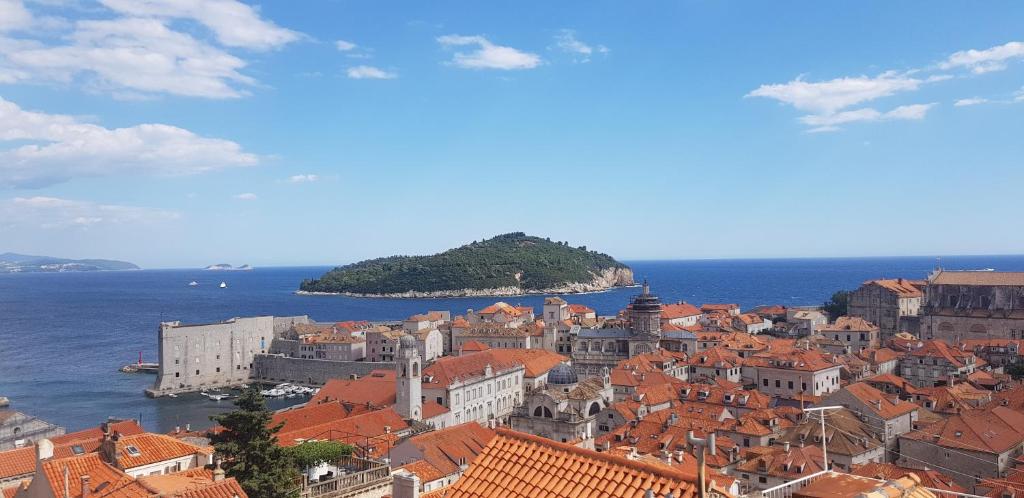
{"points": [[150, 368]]}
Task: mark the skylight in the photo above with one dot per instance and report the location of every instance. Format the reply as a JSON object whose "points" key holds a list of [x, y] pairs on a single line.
{"points": [[132, 451]]}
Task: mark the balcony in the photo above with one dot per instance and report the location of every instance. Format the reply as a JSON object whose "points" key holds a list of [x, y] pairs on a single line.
{"points": [[356, 476]]}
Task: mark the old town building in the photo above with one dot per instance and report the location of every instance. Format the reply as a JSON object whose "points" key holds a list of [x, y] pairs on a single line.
{"points": [[891, 304], [961, 305]]}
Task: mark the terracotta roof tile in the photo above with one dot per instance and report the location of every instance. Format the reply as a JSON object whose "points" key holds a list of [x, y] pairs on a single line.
{"points": [[153, 448], [376, 389], [442, 450], [930, 478], [517, 465], [995, 431], [881, 405], [850, 324], [679, 310], [900, 286], [228, 488], [17, 462]]}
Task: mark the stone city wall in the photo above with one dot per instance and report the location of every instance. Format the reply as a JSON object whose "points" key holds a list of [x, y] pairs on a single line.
{"points": [[273, 368]]}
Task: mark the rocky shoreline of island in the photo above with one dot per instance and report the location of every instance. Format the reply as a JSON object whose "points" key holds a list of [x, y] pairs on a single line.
{"points": [[608, 279]]}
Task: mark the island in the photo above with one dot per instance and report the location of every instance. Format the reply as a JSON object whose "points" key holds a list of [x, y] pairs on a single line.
{"points": [[227, 267], [506, 265], [23, 263]]}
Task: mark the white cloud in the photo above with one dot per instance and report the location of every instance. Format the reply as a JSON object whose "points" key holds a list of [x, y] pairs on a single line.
{"points": [[303, 178], [566, 42], [63, 147], [827, 97], [14, 15], [57, 213], [1018, 96], [234, 23], [987, 60], [970, 101], [831, 122], [248, 196], [141, 55], [369, 72], [141, 52], [344, 46], [487, 55]]}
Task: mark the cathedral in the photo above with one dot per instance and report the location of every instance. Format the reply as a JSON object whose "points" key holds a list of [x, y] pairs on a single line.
{"points": [[599, 348]]}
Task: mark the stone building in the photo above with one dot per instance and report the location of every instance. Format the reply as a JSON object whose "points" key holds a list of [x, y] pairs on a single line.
{"points": [[891, 304], [936, 363], [788, 373], [851, 440], [853, 331], [566, 408], [971, 446], [18, 430], [382, 343], [207, 356], [886, 415], [478, 387], [962, 305], [596, 349]]}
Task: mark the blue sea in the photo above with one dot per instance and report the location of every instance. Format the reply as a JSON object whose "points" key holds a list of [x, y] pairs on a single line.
{"points": [[64, 335]]}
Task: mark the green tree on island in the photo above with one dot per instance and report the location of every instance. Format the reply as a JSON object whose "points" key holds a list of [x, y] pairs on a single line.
{"points": [[837, 306], [248, 445]]}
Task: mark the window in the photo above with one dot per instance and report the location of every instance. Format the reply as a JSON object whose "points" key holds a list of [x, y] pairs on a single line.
{"points": [[197, 372], [132, 451], [778, 383], [762, 479], [790, 384], [765, 382], [177, 374]]}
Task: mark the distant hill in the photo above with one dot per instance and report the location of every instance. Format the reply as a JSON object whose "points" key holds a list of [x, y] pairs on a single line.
{"points": [[509, 264], [227, 267], [22, 263]]}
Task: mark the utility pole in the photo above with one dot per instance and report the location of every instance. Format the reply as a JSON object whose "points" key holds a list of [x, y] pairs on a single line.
{"points": [[824, 440]]}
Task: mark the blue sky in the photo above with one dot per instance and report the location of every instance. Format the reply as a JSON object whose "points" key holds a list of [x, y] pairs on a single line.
{"points": [[182, 133]]}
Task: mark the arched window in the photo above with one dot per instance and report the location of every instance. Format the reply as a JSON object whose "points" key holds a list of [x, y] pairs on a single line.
{"points": [[978, 329], [594, 408], [415, 369], [547, 413], [537, 412], [945, 327]]}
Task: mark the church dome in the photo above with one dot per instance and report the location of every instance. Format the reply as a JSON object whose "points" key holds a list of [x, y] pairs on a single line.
{"points": [[407, 341], [562, 374]]}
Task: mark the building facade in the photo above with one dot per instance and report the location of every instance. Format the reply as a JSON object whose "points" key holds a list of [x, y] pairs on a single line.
{"points": [[891, 304]]}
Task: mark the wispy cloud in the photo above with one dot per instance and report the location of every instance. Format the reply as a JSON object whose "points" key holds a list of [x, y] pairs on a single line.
{"points": [[247, 196], [344, 46], [63, 147], [234, 23], [369, 73], [567, 42], [132, 51], [303, 178], [831, 122], [970, 101], [487, 55], [987, 60], [827, 97], [57, 213]]}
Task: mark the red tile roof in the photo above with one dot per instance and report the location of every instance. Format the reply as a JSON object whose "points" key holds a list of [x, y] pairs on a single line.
{"points": [[153, 448], [228, 488], [994, 431], [100, 474], [517, 465], [880, 404], [376, 389], [474, 346], [17, 462], [443, 449], [449, 369], [902, 287], [939, 349], [579, 309], [537, 362], [679, 310], [930, 478], [850, 324]]}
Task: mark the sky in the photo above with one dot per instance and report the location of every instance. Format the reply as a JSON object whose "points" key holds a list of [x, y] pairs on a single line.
{"points": [[181, 133]]}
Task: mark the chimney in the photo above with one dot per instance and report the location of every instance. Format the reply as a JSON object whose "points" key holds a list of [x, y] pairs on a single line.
{"points": [[44, 449], [878, 404], [463, 465], [785, 446], [85, 486], [105, 428], [188, 427], [218, 472], [67, 482], [177, 429], [405, 486]]}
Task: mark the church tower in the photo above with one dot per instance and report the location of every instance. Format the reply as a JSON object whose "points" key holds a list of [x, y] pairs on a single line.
{"points": [[408, 397], [556, 310], [645, 313]]}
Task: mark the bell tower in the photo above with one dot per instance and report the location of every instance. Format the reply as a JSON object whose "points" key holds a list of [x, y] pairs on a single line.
{"points": [[408, 364], [645, 313]]}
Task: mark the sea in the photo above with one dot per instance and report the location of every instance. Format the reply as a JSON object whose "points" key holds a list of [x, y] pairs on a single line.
{"points": [[63, 336]]}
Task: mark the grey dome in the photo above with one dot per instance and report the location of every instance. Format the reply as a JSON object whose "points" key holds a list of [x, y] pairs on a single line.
{"points": [[407, 342], [562, 374]]}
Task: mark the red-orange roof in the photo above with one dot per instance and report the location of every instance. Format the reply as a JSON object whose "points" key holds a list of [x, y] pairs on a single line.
{"points": [[881, 405], [579, 309], [902, 287], [679, 310], [376, 389], [474, 346], [16, 462], [850, 324], [153, 448], [996, 430], [518, 465], [442, 450], [939, 349]]}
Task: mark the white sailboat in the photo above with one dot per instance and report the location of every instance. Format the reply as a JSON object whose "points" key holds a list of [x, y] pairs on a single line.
{"points": [[193, 283], [223, 285]]}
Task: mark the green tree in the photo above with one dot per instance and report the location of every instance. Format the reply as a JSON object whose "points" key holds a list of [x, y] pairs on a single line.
{"points": [[248, 445], [1016, 370], [837, 306], [312, 453]]}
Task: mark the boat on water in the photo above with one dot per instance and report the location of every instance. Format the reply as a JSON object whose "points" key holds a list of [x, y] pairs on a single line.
{"points": [[223, 285], [193, 283], [216, 396]]}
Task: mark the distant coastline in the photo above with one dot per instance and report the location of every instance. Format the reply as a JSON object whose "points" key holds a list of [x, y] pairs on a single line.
{"points": [[24, 263], [497, 292]]}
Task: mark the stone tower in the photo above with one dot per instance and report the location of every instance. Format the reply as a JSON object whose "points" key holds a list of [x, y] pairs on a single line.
{"points": [[408, 397], [645, 313], [556, 310]]}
